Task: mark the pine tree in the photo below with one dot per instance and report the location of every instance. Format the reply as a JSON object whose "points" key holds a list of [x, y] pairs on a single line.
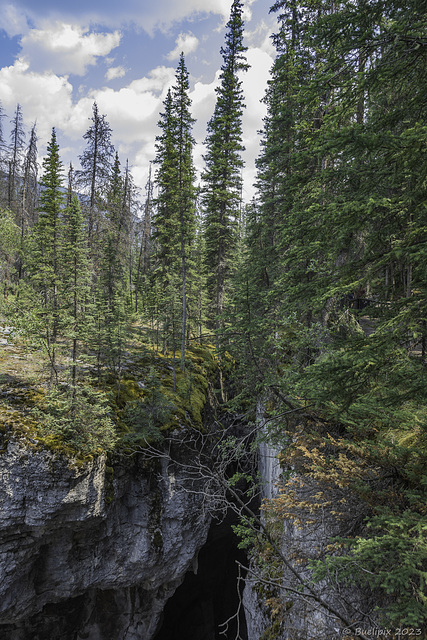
{"points": [[17, 137], [174, 220], [166, 223], [94, 174], [186, 193], [44, 262], [29, 193], [75, 279], [143, 230], [222, 176]]}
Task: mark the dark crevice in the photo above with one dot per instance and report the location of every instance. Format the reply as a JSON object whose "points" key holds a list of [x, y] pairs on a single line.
{"points": [[209, 598]]}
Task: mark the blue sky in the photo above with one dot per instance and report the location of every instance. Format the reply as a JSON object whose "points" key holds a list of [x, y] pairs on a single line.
{"points": [[58, 57]]}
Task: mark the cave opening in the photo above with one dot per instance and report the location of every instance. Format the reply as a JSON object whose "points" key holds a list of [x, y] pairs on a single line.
{"points": [[211, 596]]}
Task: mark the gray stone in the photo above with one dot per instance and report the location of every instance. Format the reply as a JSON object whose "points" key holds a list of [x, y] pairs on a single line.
{"points": [[114, 543]]}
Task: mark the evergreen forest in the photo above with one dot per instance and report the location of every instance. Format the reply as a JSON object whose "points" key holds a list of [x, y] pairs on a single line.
{"points": [[306, 306]]}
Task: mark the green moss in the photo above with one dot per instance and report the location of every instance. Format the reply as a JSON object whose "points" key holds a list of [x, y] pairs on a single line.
{"points": [[129, 390], [184, 394], [179, 402], [273, 632]]}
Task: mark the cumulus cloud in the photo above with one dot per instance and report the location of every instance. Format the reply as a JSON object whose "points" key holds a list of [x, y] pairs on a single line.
{"points": [[115, 72], [185, 43], [254, 85], [133, 113], [158, 80], [13, 20], [46, 98], [260, 36], [149, 16], [247, 11], [52, 51], [66, 48]]}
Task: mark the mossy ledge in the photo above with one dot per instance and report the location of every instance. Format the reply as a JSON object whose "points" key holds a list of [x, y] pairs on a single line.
{"points": [[152, 397]]}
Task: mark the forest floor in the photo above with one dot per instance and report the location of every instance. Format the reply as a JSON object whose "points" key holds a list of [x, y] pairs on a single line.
{"points": [[17, 358]]}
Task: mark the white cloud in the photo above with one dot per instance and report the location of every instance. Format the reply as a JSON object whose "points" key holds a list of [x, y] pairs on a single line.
{"points": [[149, 16], [13, 20], [247, 12], [260, 37], [115, 72], [66, 48], [46, 98], [163, 13], [185, 43], [254, 85], [133, 111], [157, 80], [38, 81]]}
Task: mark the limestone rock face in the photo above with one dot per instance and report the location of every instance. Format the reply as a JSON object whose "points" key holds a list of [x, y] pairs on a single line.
{"points": [[89, 550], [289, 616]]}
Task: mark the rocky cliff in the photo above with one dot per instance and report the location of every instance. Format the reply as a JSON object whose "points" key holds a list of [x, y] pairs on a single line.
{"points": [[90, 550], [280, 606]]}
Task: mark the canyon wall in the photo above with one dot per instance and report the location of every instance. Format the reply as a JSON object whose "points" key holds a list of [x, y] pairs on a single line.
{"points": [[93, 550]]}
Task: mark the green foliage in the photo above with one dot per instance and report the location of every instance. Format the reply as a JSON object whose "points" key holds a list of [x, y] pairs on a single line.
{"points": [[394, 558], [9, 241], [246, 531], [74, 290], [44, 255], [96, 160], [79, 418], [9, 235], [174, 219], [145, 417], [328, 319], [222, 175]]}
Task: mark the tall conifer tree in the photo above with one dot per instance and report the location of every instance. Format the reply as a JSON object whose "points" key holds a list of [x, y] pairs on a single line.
{"points": [[174, 220], [17, 140], [75, 281], [222, 176], [186, 198], [46, 242], [29, 193], [338, 247], [96, 161]]}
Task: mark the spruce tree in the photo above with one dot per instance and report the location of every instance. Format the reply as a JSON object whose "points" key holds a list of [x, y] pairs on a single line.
{"points": [[29, 181], [186, 197], [44, 261], [338, 329], [174, 220], [111, 291], [17, 138], [94, 175], [143, 231], [222, 175], [29, 193], [166, 222], [75, 281]]}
